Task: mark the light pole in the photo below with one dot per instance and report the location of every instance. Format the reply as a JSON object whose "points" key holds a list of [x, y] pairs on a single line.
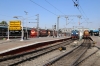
{"points": [[58, 26], [66, 23], [37, 25], [26, 24], [79, 19], [21, 26], [66, 20], [54, 28], [8, 32]]}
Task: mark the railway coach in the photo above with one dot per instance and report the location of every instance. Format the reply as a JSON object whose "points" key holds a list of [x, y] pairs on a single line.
{"points": [[96, 32], [41, 33]]}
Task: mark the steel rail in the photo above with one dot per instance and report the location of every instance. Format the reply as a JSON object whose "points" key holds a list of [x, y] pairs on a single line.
{"points": [[85, 58], [36, 53], [86, 48], [50, 62], [59, 57]]}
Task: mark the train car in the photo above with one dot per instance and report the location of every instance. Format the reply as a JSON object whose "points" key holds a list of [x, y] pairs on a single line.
{"points": [[43, 33], [15, 34], [12, 33], [63, 33], [55, 33], [75, 34], [3, 32], [50, 32], [96, 32], [33, 32], [91, 32], [86, 34]]}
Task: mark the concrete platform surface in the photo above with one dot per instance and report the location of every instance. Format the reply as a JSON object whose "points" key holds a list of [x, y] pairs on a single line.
{"points": [[16, 43]]}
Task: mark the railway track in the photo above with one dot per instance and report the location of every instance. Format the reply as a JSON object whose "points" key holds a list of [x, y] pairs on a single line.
{"points": [[90, 60], [20, 58], [71, 58]]}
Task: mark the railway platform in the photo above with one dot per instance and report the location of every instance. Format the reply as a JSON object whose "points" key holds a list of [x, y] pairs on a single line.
{"points": [[97, 40], [12, 44]]}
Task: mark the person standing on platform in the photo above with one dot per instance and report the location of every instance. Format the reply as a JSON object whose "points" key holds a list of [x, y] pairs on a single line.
{"points": [[25, 35]]}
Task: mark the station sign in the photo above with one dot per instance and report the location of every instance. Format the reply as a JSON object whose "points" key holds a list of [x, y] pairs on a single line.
{"points": [[15, 25], [15, 28]]}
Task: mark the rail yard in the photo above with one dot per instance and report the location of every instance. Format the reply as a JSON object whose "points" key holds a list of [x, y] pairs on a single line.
{"points": [[75, 53], [49, 33]]}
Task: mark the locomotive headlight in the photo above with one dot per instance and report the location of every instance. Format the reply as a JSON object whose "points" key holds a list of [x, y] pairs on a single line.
{"points": [[72, 33]]}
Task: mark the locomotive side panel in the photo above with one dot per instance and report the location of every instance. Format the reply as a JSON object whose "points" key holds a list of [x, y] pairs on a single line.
{"points": [[43, 33]]}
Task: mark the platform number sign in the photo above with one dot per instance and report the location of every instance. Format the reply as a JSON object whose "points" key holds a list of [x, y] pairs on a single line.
{"points": [[15, 25]]}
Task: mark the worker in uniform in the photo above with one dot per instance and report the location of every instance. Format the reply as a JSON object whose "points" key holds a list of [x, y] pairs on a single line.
{"points": [[25, 35]]}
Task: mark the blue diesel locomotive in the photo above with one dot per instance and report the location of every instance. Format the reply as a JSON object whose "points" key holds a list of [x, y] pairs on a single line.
{"points": [[96, 32], [75, 34]]}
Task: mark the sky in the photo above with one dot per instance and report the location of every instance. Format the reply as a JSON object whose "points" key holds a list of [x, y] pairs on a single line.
{"points": [[49, 10]]}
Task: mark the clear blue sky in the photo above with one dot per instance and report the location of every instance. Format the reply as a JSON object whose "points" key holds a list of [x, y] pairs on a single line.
{"points": [[89, 10]]}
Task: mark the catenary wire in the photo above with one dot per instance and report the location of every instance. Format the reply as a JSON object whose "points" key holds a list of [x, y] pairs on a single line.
{"points": [[54, 6], [46, 9], [79, 9], [43, 8]]}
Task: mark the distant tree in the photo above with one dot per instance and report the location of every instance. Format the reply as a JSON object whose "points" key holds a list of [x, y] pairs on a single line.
{"points": [[3, 23]]}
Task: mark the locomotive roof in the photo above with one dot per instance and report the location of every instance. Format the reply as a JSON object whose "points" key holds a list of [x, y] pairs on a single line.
{"points": [[74, 30], [95, 30]]}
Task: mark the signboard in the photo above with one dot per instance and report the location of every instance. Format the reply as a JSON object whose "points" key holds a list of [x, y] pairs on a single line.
{"points": [[15, 25]]}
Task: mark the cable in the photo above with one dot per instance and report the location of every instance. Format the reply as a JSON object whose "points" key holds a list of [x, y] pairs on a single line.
{"points": [[84, 12], [54, 6], [78, 6], [43, 7]]}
